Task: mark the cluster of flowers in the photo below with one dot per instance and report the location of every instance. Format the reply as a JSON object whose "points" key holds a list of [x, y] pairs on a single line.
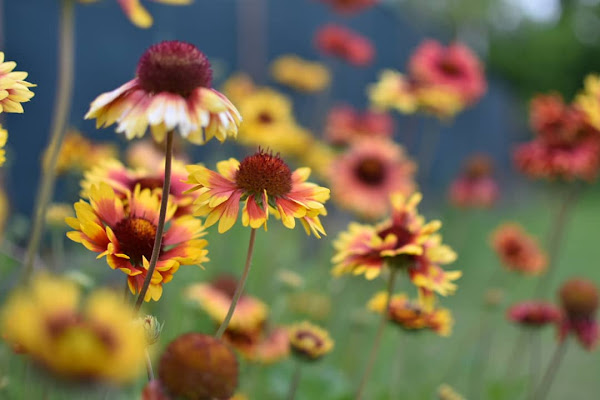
{"points": [[567, 141], [441, 80]]}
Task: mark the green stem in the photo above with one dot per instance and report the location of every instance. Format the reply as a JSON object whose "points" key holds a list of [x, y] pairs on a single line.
{"points": [[62, 106], [295, 381], [161, 222], [378, 336], [534, 360], [149, 369], [240, 287], [551, 371]]}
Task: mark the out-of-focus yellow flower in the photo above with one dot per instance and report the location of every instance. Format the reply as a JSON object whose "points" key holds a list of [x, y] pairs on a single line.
{"points": [[79, 153], [57, 213], [238, 87], [588, 100], [412, 315], [300, 74], [14, 90], [309, 341], [443, 102], [3, 139], [316, 306], [393, 91], [136, 13], [98, 341], [290, 278], [239, 396], [318, 157], [4, 208], [446, 392]]}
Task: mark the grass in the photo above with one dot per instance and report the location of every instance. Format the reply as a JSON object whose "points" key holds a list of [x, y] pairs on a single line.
{"points": [[474, 360]]}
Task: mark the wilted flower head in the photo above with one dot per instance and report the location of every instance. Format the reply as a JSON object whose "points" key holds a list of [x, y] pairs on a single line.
{"points": [[171, 91], [300, 74], [367, 173], [14, 90], [345, 124], [454, 67], [347, 7], [195, 366], [579, 300], [517, 250], [136, 13], [475, 186], [123, 230], [96, 341], [309, 341], [338, 41], [265, 184], [215, 298], [411, 315], [534, 313]]}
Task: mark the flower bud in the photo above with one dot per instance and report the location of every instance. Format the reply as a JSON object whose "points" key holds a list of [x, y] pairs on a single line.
{"points": [[579, 298], [152, 328]]}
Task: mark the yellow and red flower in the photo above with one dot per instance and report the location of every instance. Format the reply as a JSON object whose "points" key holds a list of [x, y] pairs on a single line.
{"points": [[517, 250], [3, 139], [364, 176], [309, 341], [123, 230], [454, 67], [345, 124], [136, 13], [14, 89], [579, 300], [124, 180], [78, 153], [350, 46], [393, 91], [215, 299], [411, 315], [96, 341], [265, 184], [171, 91]]}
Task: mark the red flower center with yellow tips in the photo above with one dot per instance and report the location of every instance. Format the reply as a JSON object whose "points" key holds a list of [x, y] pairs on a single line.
{"points": [[136, 237], [264, 171], [148, 183], [174, 67], [450, 68], [370, 171]]}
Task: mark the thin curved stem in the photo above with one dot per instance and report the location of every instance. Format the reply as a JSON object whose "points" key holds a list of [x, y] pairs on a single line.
{"points": [[161, 221], [378, 335], [240, 286], [149, 369], [551, 371], [534, 360], [555, 237], [295, 382], [62, 105]]}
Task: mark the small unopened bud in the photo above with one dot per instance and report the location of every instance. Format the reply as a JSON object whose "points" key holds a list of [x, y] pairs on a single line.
{"points": [[152, 328], [446, 392], [579, 298]]}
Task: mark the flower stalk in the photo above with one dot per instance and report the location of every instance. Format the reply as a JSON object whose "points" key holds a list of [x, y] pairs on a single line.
{"points": [[295, 381], [62, 105], [240, 286], [378, 335], [550, 374], [161, 221]]}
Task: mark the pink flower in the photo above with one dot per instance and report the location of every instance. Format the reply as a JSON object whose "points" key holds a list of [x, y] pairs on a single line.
{"points": [[534, 313], [455, 67], [475, 186], [345, 124], [579, 299], [346, 7], [338, 41]]}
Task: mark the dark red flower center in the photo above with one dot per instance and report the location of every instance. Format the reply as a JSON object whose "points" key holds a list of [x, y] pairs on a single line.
{"points": [[315, 340], [403, 235], [226, 284], [371, 171], [512, 248], [264, 171], [149, 183], [60, 325], [265, 117], [449, 67], [136, 238], [174, 67]]}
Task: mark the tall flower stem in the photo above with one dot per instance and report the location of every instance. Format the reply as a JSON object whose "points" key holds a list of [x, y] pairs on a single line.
{"points": [[555, 237], [295, 382], [378, 335], [62, 105], [534, 360], [551, 371], [149, 369], [161, 221], [240, 287]]}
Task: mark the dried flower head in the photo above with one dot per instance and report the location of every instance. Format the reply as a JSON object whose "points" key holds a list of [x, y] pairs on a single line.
{"points": [[172, 91], [265, 183], [195, 366], [96, 341], [309, 341]]}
